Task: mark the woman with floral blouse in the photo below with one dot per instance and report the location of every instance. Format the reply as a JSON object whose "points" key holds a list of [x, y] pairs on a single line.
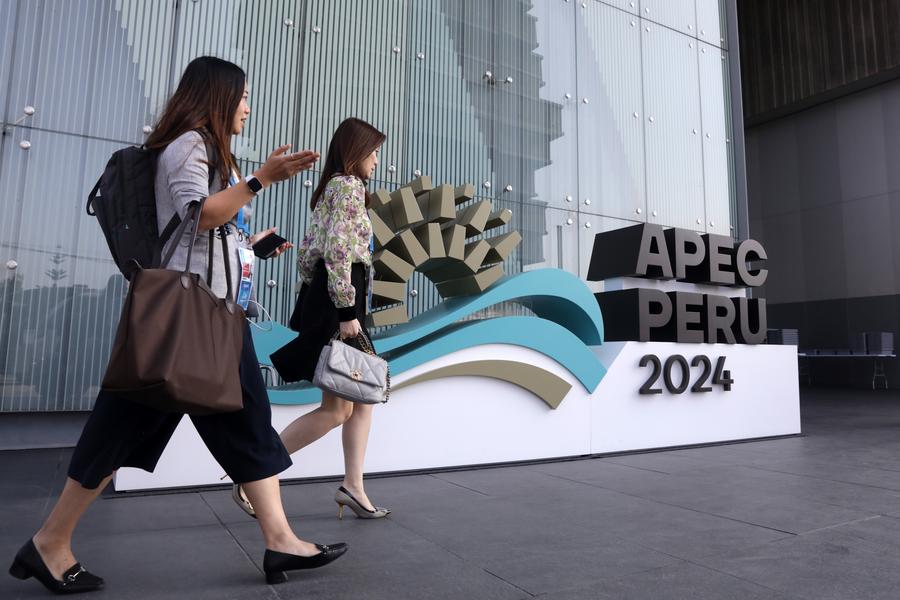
{"points": [[334, 261]]}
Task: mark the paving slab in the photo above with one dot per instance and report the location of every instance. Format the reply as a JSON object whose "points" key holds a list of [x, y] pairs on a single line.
{"points": [[671, 583], [824, 565], [816, 516]]}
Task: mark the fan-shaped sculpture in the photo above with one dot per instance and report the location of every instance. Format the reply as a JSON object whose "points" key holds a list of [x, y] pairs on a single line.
{"points": [[420, 227]]}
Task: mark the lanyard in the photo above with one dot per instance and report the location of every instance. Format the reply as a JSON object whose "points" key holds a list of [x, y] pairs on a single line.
{"points": [[240, 219], [246, 258]]}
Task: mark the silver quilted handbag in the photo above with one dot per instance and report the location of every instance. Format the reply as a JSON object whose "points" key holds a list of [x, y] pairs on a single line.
{"points": [[355, 375]]}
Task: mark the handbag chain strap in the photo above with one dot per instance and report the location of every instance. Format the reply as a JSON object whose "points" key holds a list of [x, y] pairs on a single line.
{"points": [[368, 348]]}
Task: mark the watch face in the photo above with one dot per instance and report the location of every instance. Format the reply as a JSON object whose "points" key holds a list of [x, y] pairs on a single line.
{"points": [[255, 185]]}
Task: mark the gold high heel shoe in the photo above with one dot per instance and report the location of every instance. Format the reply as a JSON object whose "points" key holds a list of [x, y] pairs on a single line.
{"points": [[344, 498], [238, 496], [239, 499]]}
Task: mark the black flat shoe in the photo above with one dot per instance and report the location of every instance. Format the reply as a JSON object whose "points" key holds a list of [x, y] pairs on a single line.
{"points": [[28, 563], [276, 563]]}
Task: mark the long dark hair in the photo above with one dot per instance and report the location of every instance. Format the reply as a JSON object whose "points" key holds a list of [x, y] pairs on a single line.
{"points": [[352, 142], [207, 98]]}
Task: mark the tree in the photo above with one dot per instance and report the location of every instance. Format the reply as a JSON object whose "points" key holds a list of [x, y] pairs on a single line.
{"points": [[56, 273]]}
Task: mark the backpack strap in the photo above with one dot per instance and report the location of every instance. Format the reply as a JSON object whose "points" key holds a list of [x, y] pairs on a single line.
{"points": [[170, 228], [193, 214], [209, 261], [227, 268], [90, 201]]}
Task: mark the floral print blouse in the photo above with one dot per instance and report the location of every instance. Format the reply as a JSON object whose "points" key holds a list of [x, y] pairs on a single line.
{"points": [[339, 233]]}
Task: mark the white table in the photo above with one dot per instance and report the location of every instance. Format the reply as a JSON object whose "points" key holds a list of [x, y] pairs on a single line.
{"points": [[877, 369]]}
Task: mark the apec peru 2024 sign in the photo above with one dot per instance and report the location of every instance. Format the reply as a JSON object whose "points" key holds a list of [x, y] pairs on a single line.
{"points": [[646, 314]]}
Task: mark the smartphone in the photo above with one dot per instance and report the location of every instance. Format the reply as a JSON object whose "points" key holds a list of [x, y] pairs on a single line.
{"points": [[267, 246]]}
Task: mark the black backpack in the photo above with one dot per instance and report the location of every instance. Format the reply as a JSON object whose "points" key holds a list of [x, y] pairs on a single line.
{"points": [[126, 207]]}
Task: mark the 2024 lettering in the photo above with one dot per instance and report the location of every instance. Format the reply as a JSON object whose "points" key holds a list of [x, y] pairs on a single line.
{"points": [[720, 376]]}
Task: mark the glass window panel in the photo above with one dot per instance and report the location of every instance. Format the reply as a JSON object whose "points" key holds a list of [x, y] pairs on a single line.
{"points": [[530, 220], [447, 126], [7, 48], [626, 5], [420, 295], [588, 227], [93, 68], [533, 126], [265, 38], [446, 123], [353, 63], [610, 110], [61, 304], [711, 27], [673, 128], [558, 242], [516, 153], [548, 118], [675, 14], [717, 161]]}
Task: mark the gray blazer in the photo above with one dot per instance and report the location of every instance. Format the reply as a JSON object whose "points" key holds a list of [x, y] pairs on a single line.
{"points": [[181, 178]]}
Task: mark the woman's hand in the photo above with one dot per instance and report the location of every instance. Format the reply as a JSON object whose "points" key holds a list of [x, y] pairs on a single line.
{"points": [[264, 234], [282, 165], [350, 329], [221, 206]]}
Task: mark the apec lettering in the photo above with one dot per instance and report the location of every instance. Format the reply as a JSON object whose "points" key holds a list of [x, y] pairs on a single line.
{"points": [[644, 314], [646, 250]]}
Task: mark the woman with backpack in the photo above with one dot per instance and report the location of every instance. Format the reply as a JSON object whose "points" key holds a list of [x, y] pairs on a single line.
{"points": [[211, 98], [334, 261]]}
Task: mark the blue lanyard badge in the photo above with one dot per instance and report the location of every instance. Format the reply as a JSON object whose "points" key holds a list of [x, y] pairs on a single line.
{"points": [[245, 288]]}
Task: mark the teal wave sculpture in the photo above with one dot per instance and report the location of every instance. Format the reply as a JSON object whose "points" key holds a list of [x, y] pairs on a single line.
{"points": [[535, 333], [567, 321], [552, 294]]}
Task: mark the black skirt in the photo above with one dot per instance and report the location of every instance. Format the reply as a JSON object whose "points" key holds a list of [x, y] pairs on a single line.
{"points": [[122, 433], [317, 319]]}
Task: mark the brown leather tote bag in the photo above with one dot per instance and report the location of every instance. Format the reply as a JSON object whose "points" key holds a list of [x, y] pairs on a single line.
{"points": [[178, 346]]}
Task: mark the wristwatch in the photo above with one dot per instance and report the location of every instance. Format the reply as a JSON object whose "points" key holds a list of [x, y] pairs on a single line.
{"points": [[254, 184]]}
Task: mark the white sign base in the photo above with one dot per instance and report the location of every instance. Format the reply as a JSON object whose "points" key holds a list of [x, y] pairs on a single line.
{"points": [[467, 420]]}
